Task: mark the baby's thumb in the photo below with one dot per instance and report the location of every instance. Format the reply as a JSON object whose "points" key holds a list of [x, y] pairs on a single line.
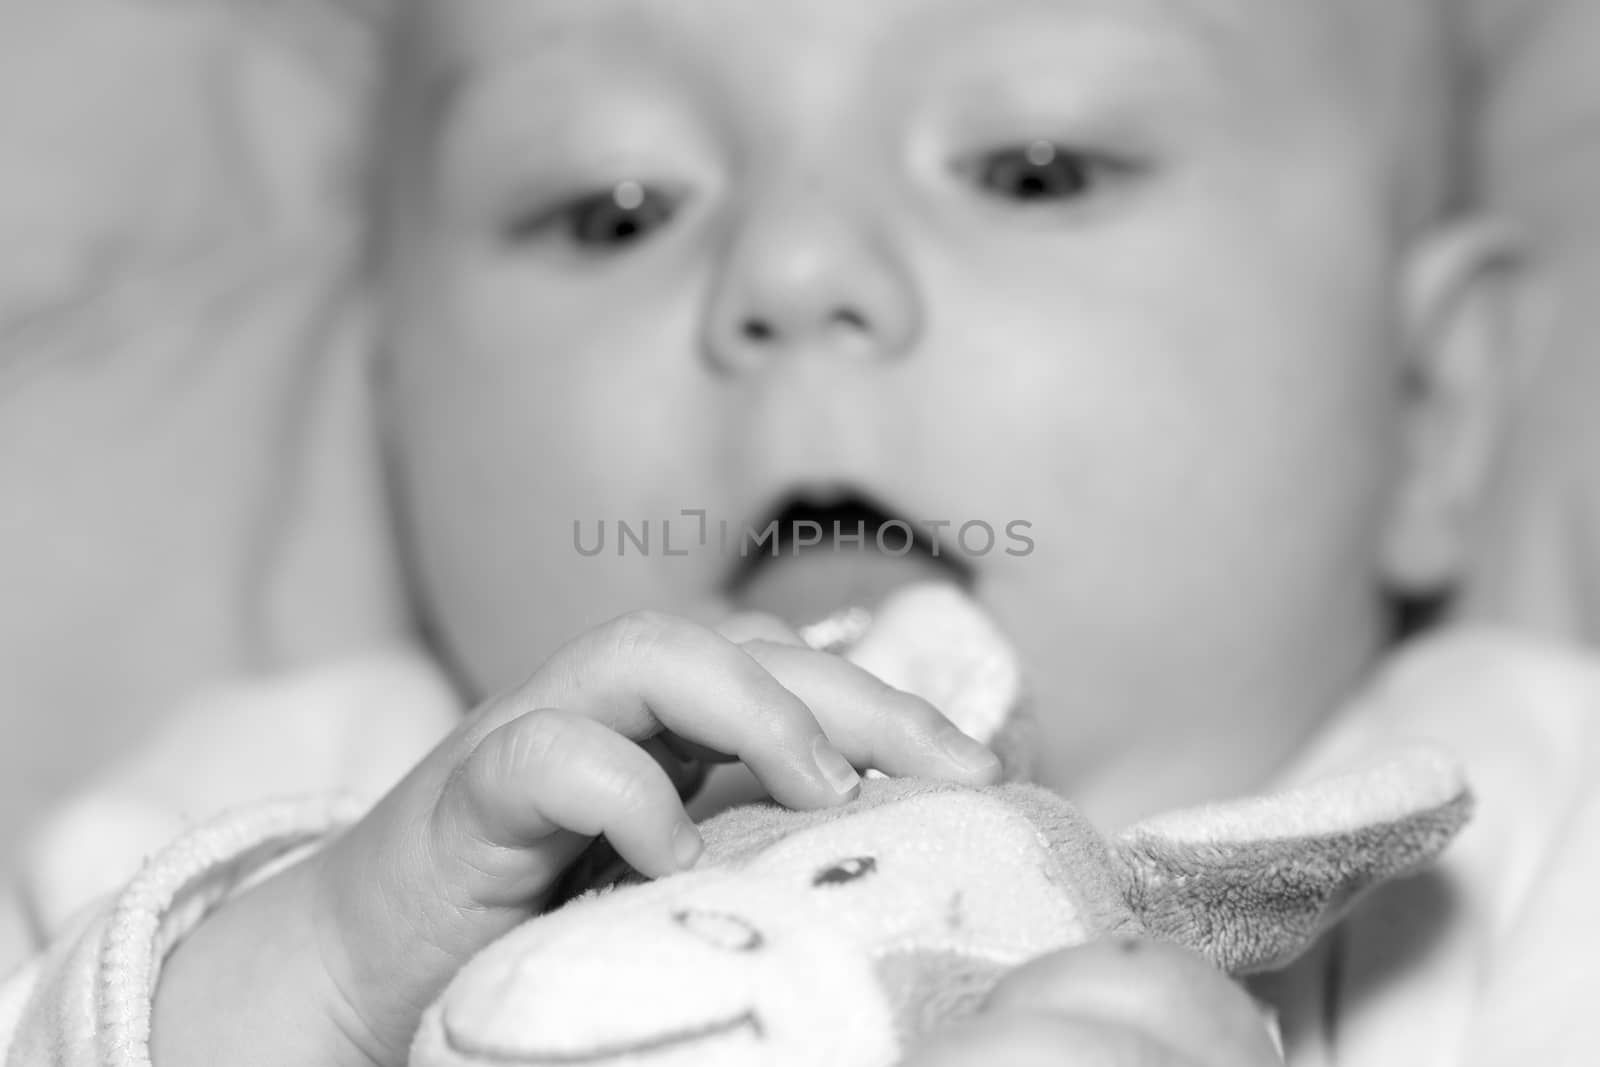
{"points": [[447, 862], [1146, 993], [476, 839], [1110, 1003]]}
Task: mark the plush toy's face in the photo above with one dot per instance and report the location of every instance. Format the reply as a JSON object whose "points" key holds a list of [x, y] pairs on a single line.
{"points": [[829, 943], [836, 937]]}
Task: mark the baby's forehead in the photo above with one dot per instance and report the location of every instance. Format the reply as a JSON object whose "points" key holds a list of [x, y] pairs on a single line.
{"points": [[481, 29], [1359, 58]]}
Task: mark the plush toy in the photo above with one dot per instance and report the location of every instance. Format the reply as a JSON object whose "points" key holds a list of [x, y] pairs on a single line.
{"points": [[838, 937]]}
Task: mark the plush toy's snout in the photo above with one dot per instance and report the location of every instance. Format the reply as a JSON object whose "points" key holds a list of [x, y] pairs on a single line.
{"points": [[837, 937], [685, 976], [804, 939]]}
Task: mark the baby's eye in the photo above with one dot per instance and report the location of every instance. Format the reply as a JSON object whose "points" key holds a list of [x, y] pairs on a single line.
{"points": [[608, 221], [846, 871], [1036, 172]]}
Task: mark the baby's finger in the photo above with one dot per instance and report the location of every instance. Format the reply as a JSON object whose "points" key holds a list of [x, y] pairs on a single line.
{"points": [[1172, 996], [470, 843], [646, 672], [1042, 1039], [758, 626], [740, 628], [685, 764], [875, 724], [549, 771]]}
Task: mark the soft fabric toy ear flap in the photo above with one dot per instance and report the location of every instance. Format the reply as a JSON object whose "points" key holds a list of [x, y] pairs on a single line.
{"points": [[931, 639], [1252, 883]]}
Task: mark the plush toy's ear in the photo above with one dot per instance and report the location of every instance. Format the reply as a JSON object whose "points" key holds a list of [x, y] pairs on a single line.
{"points": [[932, 639], [1251, 884]]}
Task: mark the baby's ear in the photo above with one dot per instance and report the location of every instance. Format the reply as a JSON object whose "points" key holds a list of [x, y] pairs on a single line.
{"points": [[1251, 884], [1477, 316]]}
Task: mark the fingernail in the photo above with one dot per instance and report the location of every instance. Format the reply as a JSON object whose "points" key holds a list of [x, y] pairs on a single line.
{"points": [[686, 845], [834, 767], [966, 753]]}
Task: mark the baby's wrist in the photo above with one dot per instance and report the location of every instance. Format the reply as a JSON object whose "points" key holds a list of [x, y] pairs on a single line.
{"points": [[250, 987]]}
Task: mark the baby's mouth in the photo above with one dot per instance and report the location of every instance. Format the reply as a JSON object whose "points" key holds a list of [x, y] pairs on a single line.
{"points": [[833, 550]]}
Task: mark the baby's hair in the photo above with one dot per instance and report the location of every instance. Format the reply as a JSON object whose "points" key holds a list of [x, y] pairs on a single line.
{"points": [[1409, 61]]}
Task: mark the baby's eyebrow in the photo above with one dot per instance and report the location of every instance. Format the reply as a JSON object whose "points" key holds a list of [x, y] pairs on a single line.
{"points": [[1213, 20], [1067, 40], [1099, 61], [550, 46], [556, 47], [1207, 16], [447, 88]]}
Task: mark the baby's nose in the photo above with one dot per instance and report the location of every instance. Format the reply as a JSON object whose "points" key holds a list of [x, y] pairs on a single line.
{"points": [[809, 276]]}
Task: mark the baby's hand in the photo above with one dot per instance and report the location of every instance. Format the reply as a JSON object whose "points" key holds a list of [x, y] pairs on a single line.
{"points": [[1112, 1003], [333, 961]]}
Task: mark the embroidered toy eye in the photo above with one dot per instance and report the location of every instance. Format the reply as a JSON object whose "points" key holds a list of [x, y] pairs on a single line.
{"points": [[607, 221], [848, 871], [1037, 172]]}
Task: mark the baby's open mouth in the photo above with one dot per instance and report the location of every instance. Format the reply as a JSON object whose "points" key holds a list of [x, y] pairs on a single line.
{"points": [[747, 1022], [820, 554]]}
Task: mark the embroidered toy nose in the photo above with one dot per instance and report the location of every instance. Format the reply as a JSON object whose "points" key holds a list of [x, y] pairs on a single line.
{"points": [[720, 929]]}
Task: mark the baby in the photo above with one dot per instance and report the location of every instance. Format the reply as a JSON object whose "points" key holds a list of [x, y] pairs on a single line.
{"points": [[1146, 321], [1166, 282]]}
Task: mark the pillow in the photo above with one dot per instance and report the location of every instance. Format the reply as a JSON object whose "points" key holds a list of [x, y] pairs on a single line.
{"points": [[187, 484]]}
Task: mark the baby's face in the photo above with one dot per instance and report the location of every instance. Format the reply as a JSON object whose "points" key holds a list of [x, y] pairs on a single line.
{"points": [[1121, 271]]}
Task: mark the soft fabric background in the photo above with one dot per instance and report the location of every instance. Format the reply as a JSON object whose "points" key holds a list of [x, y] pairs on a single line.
{"points": [[187, 488]]}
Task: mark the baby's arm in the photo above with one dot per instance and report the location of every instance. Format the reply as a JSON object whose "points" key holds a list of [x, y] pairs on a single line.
{"points": [[334, 960]]}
